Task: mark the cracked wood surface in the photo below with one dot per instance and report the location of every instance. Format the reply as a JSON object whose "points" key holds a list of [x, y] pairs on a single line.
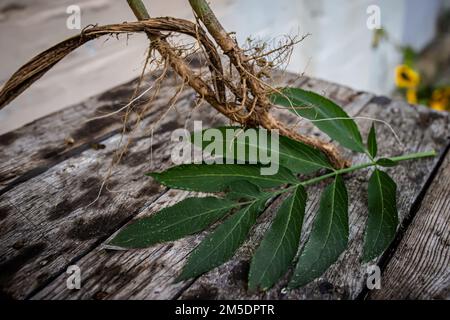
{"points": [[420, 267], [47, 188]]}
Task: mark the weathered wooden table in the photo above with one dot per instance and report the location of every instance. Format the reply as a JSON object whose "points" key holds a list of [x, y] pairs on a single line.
{"points": [[48, 183]]}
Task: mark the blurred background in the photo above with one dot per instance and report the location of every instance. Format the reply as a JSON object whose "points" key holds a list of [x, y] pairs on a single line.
{"points": [[406, 56]]}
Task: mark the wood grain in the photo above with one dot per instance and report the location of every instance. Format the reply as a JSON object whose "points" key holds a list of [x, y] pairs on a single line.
{"points": [[420, 267], [49, 221], [34, 148], [53, 214], [55, 210], [149, 273]]}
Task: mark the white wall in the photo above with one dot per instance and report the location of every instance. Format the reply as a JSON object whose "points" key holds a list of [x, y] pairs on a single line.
{"points": [[339, 48]]}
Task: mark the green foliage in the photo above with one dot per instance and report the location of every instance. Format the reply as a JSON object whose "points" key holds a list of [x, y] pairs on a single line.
{"points": [[280, 244], [383, 217], [295, 155], [329, 235], [244, 190], [324, 114], [409, 56], [372, 146], [244, 193], [221, 245], [186, 217], [217, 177]]}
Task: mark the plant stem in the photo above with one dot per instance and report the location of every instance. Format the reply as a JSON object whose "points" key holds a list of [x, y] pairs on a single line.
{"points": [[139, 9], [411, 156], [369, 164], [141, 13], [209, 19], [337, 172]]}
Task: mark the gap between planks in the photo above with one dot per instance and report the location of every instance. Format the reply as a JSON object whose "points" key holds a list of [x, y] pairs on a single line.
{"points": [[419, 268]]}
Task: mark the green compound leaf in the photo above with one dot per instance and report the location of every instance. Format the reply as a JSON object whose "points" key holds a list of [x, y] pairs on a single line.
{"points": [[301, 158], [324, 114], [328, 238], [221, 245], [383, 218], [372, 142], [217, 177], [184, 218], [280, 244], [244, 190], [248, 145]]}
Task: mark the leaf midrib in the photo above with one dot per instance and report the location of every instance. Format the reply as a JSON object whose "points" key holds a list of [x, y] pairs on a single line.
{"points": [[339, 124], [281, 239], [382, 210], [228, 234], [202, 214], [322, 112], [329, 225], [280, 153], [222, 175]]}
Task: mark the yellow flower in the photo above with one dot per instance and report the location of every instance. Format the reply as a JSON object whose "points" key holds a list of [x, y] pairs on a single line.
{"points": [[411, 96], [437, 105], [438, 94], [405, 77], [440, 99]]}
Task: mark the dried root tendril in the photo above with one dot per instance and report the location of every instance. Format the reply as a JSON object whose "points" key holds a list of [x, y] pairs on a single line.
{"points": [[239, 91]]}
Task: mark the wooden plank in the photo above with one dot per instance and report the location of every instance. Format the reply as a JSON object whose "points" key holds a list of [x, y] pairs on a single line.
{"points": [[37, 146], [420, 266], [34, 148], [54, 206], [149, 273]]}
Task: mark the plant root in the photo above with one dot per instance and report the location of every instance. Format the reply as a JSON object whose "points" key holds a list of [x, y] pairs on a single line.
{"points": [[241, 93]]}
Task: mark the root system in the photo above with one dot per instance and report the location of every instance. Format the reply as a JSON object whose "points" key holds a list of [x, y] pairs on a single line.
{"points": [[236, 82]]}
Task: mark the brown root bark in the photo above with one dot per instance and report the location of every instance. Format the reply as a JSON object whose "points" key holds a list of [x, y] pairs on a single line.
{"points": [[243, 100]]}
